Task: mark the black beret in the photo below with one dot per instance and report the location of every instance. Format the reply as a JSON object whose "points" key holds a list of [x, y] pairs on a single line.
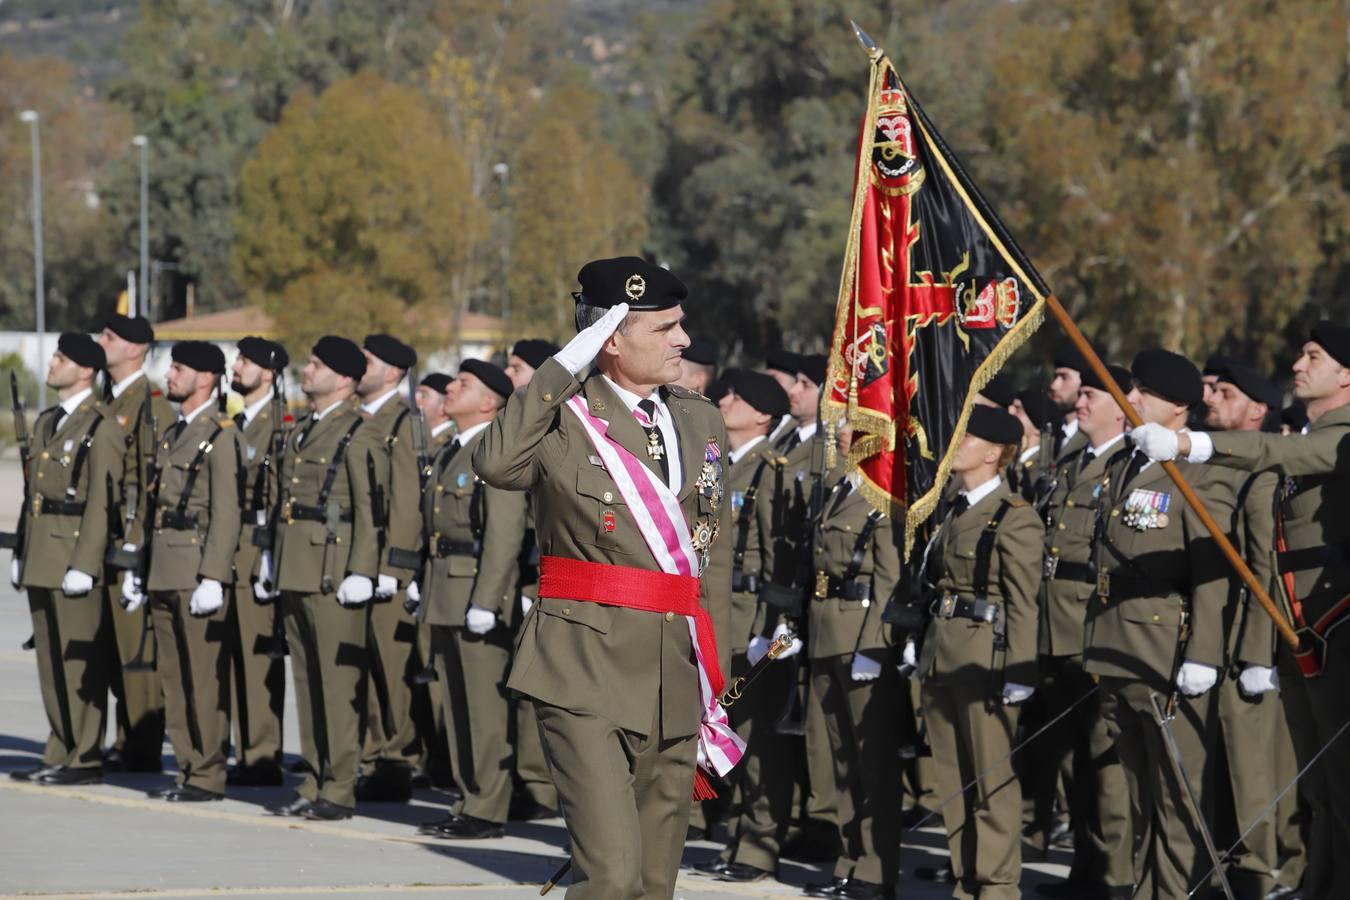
{"points": [[994, 425], [702, 352], [199, 356], [1216, 364], [1169, 375], [1000, 390], [391, 350], [761, 391], [1247, 379], [1119, 374], [534, 351], [268, 354], [1333, 338], [1036, 404], [495, 378], [82, 350], [629, 279], [341, 355], [135, 329], [783, 361], [437, 381], [1295, 415], [1067, 356], [812, 365]]}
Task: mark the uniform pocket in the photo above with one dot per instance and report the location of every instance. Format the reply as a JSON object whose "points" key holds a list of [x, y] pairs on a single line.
{"points": [[595, 616]]}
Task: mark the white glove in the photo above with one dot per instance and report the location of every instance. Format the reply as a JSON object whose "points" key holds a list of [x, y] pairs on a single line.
{"points": [[865, 668], [386, 586], [1256, 680], [207, 598], [76, 583], [479, 620], [261, 592], [355, 590], [414, 592], [1195, 678], [16, 573], [525, 604], [1014, 693], [133, 592], [790, 651], [581, 351], [1155, 441], [758, 649], [910, 655]]}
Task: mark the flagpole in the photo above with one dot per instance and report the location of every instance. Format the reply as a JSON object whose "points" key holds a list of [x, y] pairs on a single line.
{"points": [[1187, 492]]}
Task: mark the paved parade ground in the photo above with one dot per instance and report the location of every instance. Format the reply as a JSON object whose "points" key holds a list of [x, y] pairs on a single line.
{"points": [[112, 841]]}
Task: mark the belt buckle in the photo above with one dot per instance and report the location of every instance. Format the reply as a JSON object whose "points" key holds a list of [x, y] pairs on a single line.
{"points": [[37, 504], [286, 511], [1049, 566], [1104, 584], [947, 606], [822, 585]]}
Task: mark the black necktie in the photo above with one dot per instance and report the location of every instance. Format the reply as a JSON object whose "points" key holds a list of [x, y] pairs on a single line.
{"points": [[178, 428], [961, 505], [451, 449], [794, 439], [58, 418], [240, 421], [1137, 462], [654, 437]]}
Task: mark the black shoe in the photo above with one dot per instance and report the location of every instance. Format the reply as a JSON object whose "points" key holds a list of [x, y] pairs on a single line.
{"points": [[467, 828], [1060, 836], [935, 874], [265, 774], [525, 808], [434, 828], [29, 774], [161, 793], [916, 814], [115, 760], [295, 807], [421, 780], [64, 776], [1284, 892], [387, 784], [188, 793], [742, 872], [831, 888], [325, 811], [715, 866], [298, 767], [865, 890]]}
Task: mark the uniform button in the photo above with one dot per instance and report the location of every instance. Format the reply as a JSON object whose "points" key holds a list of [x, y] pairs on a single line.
{"points": [[322, 460], [1155, 618], [77, 534], [567, 610], [1114, 513], [45, 455], [1068, 503], [1055, 551], [548, 398], [820, 550], [1061, 526], [295, 481], [437, 509], [39, 474], [609, 496], [670, 617]]}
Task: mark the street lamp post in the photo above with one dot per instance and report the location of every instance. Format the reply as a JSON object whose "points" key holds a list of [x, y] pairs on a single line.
{"points": [[30, 117], [143, 300]]}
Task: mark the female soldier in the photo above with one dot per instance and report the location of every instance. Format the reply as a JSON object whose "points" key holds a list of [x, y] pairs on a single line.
{"points": [[854, 675], [979, 656]]}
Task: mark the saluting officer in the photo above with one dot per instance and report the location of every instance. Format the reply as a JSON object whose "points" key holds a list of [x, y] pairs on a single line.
{"points": [[393, 748], [978, 661], [324, 563], [139, 742], [469, 591], [753, 404], [1154, 635], [856, 684], [618, 654], [257, 665], [193, 532], [63, 535]]}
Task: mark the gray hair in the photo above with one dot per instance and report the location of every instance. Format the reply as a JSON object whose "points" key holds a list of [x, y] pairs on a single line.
{"points": [[588, 315]]}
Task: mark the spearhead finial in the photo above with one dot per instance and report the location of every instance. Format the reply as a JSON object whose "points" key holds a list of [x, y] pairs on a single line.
{"points": [[866, 40]]}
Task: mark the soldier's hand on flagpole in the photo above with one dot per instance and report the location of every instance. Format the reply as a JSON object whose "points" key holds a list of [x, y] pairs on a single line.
{"points": [[865, 668], [76, 583], [1014, 693], [1195, 678], [582, 350], [479, 620], [386, 586], [791, 651], [1157, 442], [133, 592], [207, 598], [1257, 680], [355, 590]]}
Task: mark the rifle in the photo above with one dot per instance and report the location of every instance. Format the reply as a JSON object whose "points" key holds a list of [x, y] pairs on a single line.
{"points": [[7, 540], [140, 558], [401, 557], [264, 536], [1046, 477]]}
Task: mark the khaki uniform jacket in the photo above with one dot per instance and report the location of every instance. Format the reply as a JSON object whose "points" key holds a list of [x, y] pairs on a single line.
{"points": [[261, 489], [53, 543], [1146, 637], [612, 662], [959, 649], [179, 557], [1023, 475], [1070, 517], [748, 616], [1251, 633], [301, 555], [126, 410], [1313, 505], [396, 471], [839, 626], [451, 584]]}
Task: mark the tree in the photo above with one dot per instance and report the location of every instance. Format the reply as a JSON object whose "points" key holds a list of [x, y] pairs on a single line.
{"points": [[355, 212]]}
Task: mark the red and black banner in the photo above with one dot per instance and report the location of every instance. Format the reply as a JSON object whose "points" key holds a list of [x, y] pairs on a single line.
{"points": [[934, 297]]}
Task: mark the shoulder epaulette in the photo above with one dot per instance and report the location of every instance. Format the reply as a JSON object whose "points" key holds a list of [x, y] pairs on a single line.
{"points": [[1017, 502], [685, 393]]}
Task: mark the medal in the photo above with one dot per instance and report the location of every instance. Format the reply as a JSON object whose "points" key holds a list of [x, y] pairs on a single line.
{"points": [[654, 450]]}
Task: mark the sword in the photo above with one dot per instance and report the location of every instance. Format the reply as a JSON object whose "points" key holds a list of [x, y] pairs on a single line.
{"points": [[1163, 715], [728, 698]]}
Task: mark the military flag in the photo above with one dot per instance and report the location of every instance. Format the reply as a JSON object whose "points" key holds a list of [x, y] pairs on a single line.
{"points": [[934, 297]]}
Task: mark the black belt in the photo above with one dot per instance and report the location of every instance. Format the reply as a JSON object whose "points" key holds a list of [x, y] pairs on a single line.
{"points": [[744, 583], [1057, 569], [300, 512], [952, 606], [1311, 558], [444, 547], [1122, 586], [173, 520], [51, 507], [850, 589]]}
